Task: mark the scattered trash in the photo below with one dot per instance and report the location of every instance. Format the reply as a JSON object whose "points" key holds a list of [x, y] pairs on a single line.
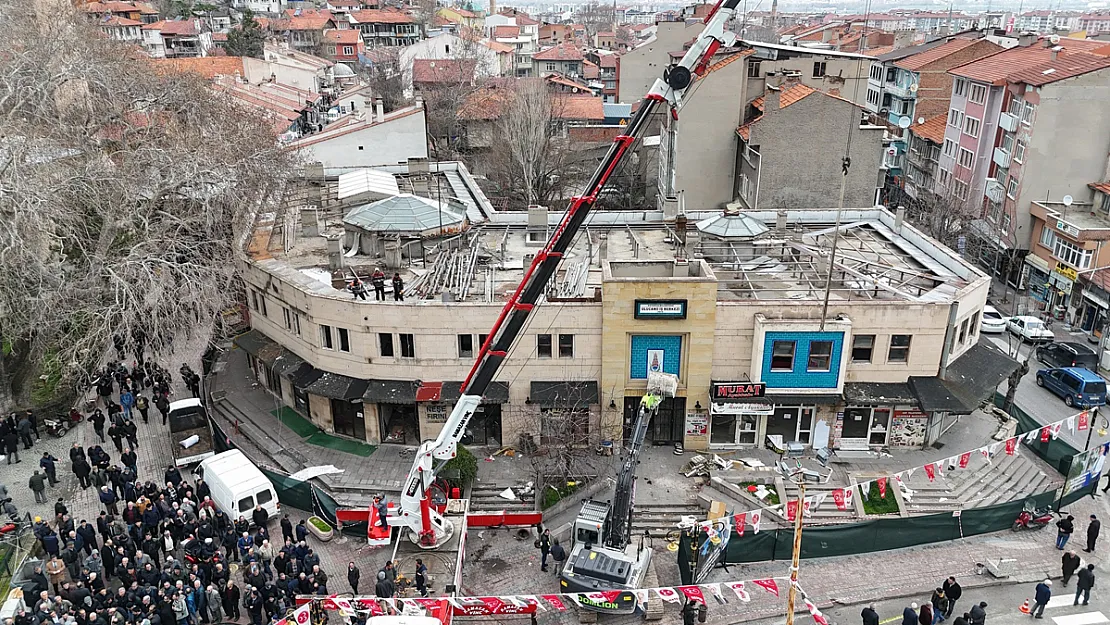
{"points": [[505, 451], [480, 534], [752, 463], [489, 459], [507, 494]]}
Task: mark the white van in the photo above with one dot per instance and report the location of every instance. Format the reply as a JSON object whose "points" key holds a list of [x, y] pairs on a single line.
{"points": [[237, 485]]}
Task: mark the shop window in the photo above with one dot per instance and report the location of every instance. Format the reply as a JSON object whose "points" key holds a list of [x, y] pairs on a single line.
{"points": [[880, 426], [566, 346], [325, 337], [782, 355], [543, 345], [863, 346], [466, 346], [385, 344], [820, 356], [344, 340], [408, 346], [963, 332], [899, 348]]}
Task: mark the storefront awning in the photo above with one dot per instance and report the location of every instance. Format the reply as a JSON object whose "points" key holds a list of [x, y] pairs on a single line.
{"points": [[336, 386], [970, 380], [878, 394], [582, 393], [287, 363], [802, 399], [259, 345], [305, 375], [496, 393], [391, 392]]}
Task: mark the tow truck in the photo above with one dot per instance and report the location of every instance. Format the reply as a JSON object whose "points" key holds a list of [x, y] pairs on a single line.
{"points": [[431, 526]]}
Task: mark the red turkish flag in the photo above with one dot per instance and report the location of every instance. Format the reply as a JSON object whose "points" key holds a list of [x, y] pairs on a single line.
{"points": [[931, 471], [1084, 420], [1046, 433], [1011, 445], [692, 592], [964, 459], [882, 487], [819, 618], [738, 522], [767, 584], [838, 499], [791, 510], [555, 601]]}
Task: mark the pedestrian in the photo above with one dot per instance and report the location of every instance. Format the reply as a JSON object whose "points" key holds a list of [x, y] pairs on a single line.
{"points": [[56, 569], [25, 432], [162, 403], [940, 605], [353, 575], [231, 597], [925, 614], [558, 554], [35, 422], [109, 499], [131, 431], [978, 614], [377, 280], [1092, 533], [1040, 600], [953, 592], [383, 511], [127, 401], [398, 288], [97, 420], [384, 589], [215, 603], [115, 432], [82, 470], [909, 615], [421, 578], [286, 529], [1084, 582], [37, 484], [869, 615], [142, 405], [11, 445], [357, 288], [1069, 565], [1064, 528], [47, 463], [544, 544]]}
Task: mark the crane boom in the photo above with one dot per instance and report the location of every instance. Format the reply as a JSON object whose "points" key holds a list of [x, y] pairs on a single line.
{"points": [[429, 529]]}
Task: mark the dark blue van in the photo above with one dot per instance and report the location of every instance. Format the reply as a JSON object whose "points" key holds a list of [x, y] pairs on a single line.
{"points": [[1078, 386]]}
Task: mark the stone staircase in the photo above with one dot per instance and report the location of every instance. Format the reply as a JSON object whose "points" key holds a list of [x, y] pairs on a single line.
{"points": [[1006, 478], [659, 518], [827, 513], [486, 497]]}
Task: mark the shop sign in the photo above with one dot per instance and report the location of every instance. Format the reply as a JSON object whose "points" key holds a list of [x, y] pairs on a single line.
{"points": [[1067, 272], [1067, 228], [1097, 299], [436, 413], [697, 424], [725, 391], [660, 309], [742, 408]]}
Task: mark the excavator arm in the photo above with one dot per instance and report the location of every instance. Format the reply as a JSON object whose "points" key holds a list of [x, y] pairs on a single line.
{"points": [[415, 511]]}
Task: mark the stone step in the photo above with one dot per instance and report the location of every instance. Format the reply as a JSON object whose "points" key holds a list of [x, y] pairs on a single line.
{"points": [[993, 481]]}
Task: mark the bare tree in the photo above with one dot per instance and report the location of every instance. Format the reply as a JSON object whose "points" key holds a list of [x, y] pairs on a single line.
{"points": [[596, 17], [942, 216], [424, 12], [449, 84], [384, 77], [123, 193]]}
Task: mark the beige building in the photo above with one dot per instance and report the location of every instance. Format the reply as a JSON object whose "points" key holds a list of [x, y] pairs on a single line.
{"points": [[730, 303]]}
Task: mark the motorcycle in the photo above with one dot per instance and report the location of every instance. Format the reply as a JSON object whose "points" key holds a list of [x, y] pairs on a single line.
{"points": [[60, 426], [1032, 518]]}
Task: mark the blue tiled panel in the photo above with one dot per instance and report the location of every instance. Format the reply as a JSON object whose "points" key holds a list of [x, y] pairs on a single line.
{"points": [[799, 377], [638, 356]]}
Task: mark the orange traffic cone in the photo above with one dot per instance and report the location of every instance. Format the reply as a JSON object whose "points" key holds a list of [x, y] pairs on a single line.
{"points": [[1025, 607]]}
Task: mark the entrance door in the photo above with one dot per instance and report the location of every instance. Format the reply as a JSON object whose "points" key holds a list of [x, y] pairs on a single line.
{"points": [[346, 419], [399, 424], [667, 426], [485, 425], [783, 422], [724, 430], [857, 422]]}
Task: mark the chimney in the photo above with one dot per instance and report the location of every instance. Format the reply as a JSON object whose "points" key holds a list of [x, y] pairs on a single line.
{"points": [[1026, 39], [771, 99], [335, 253], [903, 39], [379, 109], [780, 222], [827, 35], [899, 217], [1056, 52], [493, 7]]}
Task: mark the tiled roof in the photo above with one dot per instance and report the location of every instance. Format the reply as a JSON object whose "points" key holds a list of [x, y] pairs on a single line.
{"points": [[346, 35], [589, 70], [728, 60], [443, 71], [497, 46], [381, 16], [524, 20], [205, 66], [996, 68], [582, 107], [310, 19], [788, 96], [560, 79], [175, 27], [485, 104], [506, 31], [877, 50], [921, 59], [932, 129], [463, 13], [1065, 66], [561, 52], [608, 60], [118, 21], [1102, 187]]}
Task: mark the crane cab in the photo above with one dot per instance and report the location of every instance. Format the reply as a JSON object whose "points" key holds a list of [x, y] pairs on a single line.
{"points": [[590, 524]]}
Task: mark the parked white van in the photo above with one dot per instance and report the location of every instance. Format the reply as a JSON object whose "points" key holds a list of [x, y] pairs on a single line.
{"points": [[237, 485]]}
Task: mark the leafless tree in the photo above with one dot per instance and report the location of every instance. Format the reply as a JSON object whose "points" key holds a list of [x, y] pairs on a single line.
{"points": [[123, 191], [452, 82], [596, 17], [385, 78], [942, 216], [424, 12]]}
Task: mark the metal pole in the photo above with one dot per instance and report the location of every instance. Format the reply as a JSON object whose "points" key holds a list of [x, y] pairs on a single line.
{"points": [[793, 592], [832, 258]]}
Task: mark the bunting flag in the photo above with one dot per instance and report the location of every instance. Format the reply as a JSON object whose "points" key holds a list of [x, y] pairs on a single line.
{"points": [[1046, 433], [964, 459], [806, 506], [1070, 422], [850, 497], [667, 594], [411, 608], [931, 471], [738, 522], [882, 487], [986, 451], [1011, 445], [343, 605], [909, 472], [715, 590], [692, 592], [1056, 431], [641, 596], [839, 499], [816, 614], [818, 500], [767, 584], [756, 516], [303, 614], [556, 602], [532, 600], [791, 509], [1084, 421], [738, 588]]}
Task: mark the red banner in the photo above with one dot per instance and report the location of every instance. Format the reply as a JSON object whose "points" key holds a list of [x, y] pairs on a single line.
{"points": [[1084, 420], [667, 594], [931, 471], [838, 499], [767, 584], [1046, 433], [882, 487], [791, 509], [1011, 445], [555, 601], [964, 459], [738, 522], [692, 592]]}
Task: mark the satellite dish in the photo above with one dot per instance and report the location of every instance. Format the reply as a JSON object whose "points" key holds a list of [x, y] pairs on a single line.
{"points": [[1067, 200], [1054, 39], [913, 88], [904, 122], [921, 120]]}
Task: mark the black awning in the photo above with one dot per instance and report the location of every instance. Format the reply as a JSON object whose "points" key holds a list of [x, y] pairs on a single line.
{"points": [[287, 363], [796, 399], [305, 375], [970, 380], [497, 393], [337, 386], [391, 392], [583, 393], [878, 394], [259, 345]]}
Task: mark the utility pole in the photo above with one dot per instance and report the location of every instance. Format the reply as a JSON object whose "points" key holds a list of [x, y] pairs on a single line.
{"points": [[792, 594]]}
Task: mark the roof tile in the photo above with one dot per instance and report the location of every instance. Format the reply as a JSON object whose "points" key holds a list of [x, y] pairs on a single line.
{"points": [[443, 71], [921, 59], [561, 52], [381, 16], [932, 129]]}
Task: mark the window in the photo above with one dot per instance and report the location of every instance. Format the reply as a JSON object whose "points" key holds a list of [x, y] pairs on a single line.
{"points": [[246, 504], [325, 337], [1006, 221], [899, 348], [873, 97], [482, 340], [262, 303], [447, 49], [550, 67], [961, 86], [1012, 188], [1019, 151], [254, 299], [967, 158], [288, 318], [264, 497], [1048, 237], [1027, 114], [953, 118], [963, 332], [959, 189], [466, 346], [782, 356], [753, 69], [950, 148], [348, 50], [978, 94], [862, 347], [943, 178], [819, 69], [891, 74], [543, 345], [344, 340], [971, 127], [569, 426], [408, 346], [1072, 254], [877, 73], [974, 324], [385, 344], [820, 356], [566, 346]]}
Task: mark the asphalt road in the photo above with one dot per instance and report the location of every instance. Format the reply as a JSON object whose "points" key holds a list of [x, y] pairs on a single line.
{"points": [[1040, 403]]}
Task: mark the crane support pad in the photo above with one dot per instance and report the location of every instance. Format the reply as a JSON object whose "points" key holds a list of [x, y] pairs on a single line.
{"points": [[503, 519]]}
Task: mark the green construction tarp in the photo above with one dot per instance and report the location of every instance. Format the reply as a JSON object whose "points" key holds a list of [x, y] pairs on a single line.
{"points": [[1055, 452]]}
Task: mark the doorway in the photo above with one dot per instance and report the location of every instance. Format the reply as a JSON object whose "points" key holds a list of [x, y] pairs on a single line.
{"points": [[667, 426], [485, 426], [399, 424], [346, 418], [792, 423]]}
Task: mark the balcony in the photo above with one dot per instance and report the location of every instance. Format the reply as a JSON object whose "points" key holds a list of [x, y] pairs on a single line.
{"points": [[1008, 122], [1001, 158], [900, 91], [995, 191]]}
